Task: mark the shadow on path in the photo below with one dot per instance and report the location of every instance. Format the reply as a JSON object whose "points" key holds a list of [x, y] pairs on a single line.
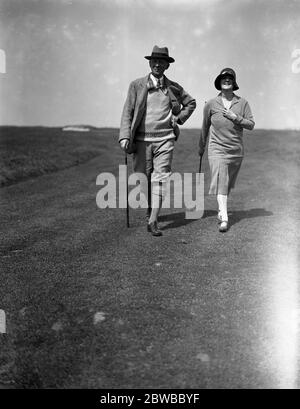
{"points": [[178, 219], [238, 215]]}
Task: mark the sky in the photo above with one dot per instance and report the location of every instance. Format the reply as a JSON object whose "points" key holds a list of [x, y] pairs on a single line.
{"points": [[71, 62]]}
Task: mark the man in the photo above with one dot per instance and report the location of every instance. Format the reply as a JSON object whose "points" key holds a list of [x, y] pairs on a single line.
{"points": [[154, 108]]}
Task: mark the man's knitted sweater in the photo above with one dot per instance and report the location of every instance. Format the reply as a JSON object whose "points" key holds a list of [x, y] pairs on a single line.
{"points": [[156, 122]]}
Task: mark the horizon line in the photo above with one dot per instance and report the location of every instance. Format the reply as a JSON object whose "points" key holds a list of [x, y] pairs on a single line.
{"points": [[116, 127]]}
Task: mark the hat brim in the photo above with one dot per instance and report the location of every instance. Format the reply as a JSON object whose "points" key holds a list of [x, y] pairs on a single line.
{"points": [[218, 82], [158, 56]]}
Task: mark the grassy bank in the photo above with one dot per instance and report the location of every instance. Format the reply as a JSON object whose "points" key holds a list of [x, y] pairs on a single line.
{"points": [[27, 152]]}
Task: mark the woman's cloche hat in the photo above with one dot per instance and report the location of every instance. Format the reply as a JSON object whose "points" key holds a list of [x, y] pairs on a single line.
{"points": [[162, 53], [224, 73]]}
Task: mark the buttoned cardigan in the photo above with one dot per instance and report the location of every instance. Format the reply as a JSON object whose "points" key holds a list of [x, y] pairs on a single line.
{"points": [[225, 136]]}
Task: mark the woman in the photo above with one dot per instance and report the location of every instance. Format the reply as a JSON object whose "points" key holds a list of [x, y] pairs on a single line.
{"points": [[224, 119]]}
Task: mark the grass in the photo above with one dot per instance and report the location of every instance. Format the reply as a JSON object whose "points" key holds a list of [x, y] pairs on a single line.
{"points": [[27, 152], [166, 301]]}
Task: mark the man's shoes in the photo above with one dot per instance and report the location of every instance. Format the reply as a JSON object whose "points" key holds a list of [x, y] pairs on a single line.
{"points": [[153, 229], [223, 227]]}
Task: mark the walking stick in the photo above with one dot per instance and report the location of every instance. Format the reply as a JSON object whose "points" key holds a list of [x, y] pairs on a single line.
{"points": [[200, 163], [127, 206]]}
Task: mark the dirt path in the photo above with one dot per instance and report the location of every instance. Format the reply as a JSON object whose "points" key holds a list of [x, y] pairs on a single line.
{"points": [[92, 304]]}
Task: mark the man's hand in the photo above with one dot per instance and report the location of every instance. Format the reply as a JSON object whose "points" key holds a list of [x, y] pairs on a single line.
{"points": [[229, 114], [124, 144]]}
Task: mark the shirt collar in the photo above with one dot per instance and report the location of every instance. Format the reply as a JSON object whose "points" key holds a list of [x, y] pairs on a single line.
{"points": [[154, 80], [234, 100]]}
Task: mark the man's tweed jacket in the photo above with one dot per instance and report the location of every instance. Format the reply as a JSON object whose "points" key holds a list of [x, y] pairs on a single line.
{"points": [[181, 103]]}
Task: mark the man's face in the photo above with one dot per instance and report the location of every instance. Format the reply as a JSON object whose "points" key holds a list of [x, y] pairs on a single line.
{"points": [[158, 67], [227, 82]]}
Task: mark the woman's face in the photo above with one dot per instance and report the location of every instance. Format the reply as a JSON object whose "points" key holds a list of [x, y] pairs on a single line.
{"points": [[227, 83]]}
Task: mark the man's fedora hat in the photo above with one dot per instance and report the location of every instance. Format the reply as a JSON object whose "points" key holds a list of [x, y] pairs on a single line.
{"points": [[162, 53], [224, 73]]}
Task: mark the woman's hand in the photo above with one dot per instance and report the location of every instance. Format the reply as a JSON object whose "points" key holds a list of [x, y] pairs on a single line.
{"points": [[174, 120], [229, 114]]}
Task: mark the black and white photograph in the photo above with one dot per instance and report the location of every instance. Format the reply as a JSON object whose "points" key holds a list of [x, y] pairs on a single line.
{"points": [[149, 195]]}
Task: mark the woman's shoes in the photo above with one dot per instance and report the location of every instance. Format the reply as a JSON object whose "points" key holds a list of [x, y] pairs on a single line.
{"points": [[223, 224], [223, 227]]}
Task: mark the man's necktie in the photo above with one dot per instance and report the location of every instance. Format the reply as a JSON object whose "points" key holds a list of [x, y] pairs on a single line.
{"points": [[159, 85]]}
